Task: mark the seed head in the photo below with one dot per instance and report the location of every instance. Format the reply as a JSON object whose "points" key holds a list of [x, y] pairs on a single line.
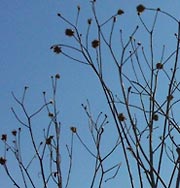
{"points": [[121, 117], [2, 161], [89, 21], [120, 12], [57, 49], [4, 137], [95, 43], [155, 117], [73, 129], [170, 97], [57, 76], [50, 114], [69, 32], [140, 8], [14, 132], [159, 66]]}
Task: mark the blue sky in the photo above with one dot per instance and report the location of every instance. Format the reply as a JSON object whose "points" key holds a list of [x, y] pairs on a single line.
{"points": [[28, 29]]}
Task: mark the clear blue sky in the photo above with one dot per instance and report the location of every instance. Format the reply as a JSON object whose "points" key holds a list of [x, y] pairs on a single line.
{"points": [[27, 30]]}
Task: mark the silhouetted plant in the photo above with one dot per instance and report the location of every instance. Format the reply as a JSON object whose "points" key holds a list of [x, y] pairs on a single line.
{"points": [[50, 168], [142, 111]]}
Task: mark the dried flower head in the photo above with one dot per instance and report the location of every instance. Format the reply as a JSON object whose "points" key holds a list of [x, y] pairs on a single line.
{"points": [[155, 117], [57, 49], [140, 8], [4, 137], [57, 76], [26, 87], [95, 43], [121, 117], [159, 66], [14, 132], [89, 21], [73, 129], [2, 161], [170, 97], [50, 114], [69, 32], [120, 12], [48, 140]]}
